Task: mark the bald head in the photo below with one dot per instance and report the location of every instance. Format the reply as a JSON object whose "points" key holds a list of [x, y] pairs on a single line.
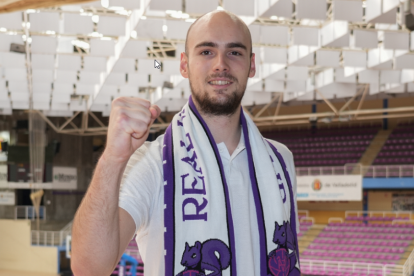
{"points": [[217, 17]]}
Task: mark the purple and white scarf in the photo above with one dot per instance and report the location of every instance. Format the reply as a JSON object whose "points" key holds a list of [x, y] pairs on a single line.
{"points": [[197, 211]]}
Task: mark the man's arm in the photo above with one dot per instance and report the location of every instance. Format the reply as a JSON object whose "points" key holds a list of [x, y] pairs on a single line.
{"points": [[101, 230], [97, 235]]}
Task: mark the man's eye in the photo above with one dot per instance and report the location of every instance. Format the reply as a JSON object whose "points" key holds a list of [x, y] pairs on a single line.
{"points": [[205, 52], [235, 53]]}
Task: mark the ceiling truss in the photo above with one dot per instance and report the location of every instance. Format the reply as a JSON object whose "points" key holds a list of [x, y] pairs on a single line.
{"points": [[82, 128]]}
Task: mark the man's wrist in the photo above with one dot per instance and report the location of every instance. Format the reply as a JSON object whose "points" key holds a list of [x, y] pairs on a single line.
{"points": [[107, 160]]}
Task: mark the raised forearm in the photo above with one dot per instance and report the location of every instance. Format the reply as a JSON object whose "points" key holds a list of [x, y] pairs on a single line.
{"points": [[96, 233], [96, 230]]}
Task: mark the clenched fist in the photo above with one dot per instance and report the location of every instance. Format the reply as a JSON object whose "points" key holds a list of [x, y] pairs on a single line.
{"points": [[129, 124]]}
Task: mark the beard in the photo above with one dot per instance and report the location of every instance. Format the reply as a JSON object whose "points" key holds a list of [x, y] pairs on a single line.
{"points": [[219, 107]]}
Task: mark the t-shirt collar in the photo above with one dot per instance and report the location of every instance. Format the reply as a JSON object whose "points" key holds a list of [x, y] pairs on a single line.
{"points": [[240, 147]]}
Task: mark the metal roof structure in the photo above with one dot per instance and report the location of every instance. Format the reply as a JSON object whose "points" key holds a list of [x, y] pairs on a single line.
{"points": [[76, 58]]}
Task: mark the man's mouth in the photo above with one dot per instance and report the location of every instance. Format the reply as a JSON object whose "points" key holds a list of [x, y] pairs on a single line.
{"points": [[220, 83]]}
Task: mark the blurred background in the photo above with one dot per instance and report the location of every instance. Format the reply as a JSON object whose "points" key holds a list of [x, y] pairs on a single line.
{"points": [[334, 82]]}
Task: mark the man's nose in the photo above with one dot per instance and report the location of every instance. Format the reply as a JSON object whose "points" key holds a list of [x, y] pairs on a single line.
{"points": [[221, 63]]}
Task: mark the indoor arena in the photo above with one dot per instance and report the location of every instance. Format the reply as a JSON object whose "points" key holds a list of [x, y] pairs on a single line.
{"points": [[162, 137]]}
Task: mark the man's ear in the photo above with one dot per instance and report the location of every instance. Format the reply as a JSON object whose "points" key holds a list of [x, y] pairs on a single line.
{"points": [[184, 65], [252, 65]]}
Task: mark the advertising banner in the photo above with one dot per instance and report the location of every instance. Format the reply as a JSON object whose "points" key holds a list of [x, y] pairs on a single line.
{"points": [[3, 176], [329, 188], [65, 178], [7, 198]]}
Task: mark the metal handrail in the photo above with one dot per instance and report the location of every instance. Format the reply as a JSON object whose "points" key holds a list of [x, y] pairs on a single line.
{"points": [[409, 264], [341, 220], [383, 213], [312, 219], [51, 238], [374, 171], [352, 267], [28, 212], [303, 211]]}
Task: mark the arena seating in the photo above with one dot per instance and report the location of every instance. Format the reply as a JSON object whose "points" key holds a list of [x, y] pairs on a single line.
{"points": [[399, 148], [333, 146], [358, 243], [304, 227], [132, 250], [367, 218], [305, 223]]}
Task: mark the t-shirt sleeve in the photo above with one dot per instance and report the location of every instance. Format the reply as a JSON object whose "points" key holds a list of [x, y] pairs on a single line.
{"points": [[140, 183]]}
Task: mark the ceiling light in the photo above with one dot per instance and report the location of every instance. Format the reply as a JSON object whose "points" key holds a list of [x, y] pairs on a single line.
{"points": [[326, 120], [143, 17], [3, 30], [30, 11], [134, 34], [26, 24], [344, 119], [105, 3], [95, 18], [29, 40], [50, 32], [81, 44], [274, 17], [95, 34], [122, 12], [219, 8], [116, 8], [177, 14], [164, 28]]}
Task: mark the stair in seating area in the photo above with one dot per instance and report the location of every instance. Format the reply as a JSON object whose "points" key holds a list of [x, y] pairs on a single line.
{"points": [[309, 236], [373, 149], [407, 253]]}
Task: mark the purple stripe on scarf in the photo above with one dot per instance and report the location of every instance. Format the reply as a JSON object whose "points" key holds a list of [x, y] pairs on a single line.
{"points": [[257, 200], [292, 202], [233, 268], [168, 168]]}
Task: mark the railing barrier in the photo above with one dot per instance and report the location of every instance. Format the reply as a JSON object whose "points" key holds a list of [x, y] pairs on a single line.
{"points": [[306, 212], [335, 219], [51, 238], [304, 219], [398, 215], [28, 212], [374, 171], [312, 267]]}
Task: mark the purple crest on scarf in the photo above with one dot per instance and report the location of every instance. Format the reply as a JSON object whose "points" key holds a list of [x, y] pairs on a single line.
{"points": [[279, 262]]}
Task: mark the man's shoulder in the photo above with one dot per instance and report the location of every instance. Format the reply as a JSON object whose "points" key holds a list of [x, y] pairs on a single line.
{"points": [[282, 148]]}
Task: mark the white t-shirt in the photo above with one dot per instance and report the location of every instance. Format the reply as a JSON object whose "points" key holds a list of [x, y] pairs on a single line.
{"points": [[142, 196]]}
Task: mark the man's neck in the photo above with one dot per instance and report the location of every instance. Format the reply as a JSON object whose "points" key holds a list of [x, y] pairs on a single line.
{"points": [[225, 129]]}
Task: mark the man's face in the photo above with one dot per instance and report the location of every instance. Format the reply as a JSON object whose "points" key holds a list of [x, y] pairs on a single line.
{"points": [[218, 64]]}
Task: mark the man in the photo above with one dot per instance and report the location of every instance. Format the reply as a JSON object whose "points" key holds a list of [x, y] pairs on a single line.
{"points": [[209, 196]]}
